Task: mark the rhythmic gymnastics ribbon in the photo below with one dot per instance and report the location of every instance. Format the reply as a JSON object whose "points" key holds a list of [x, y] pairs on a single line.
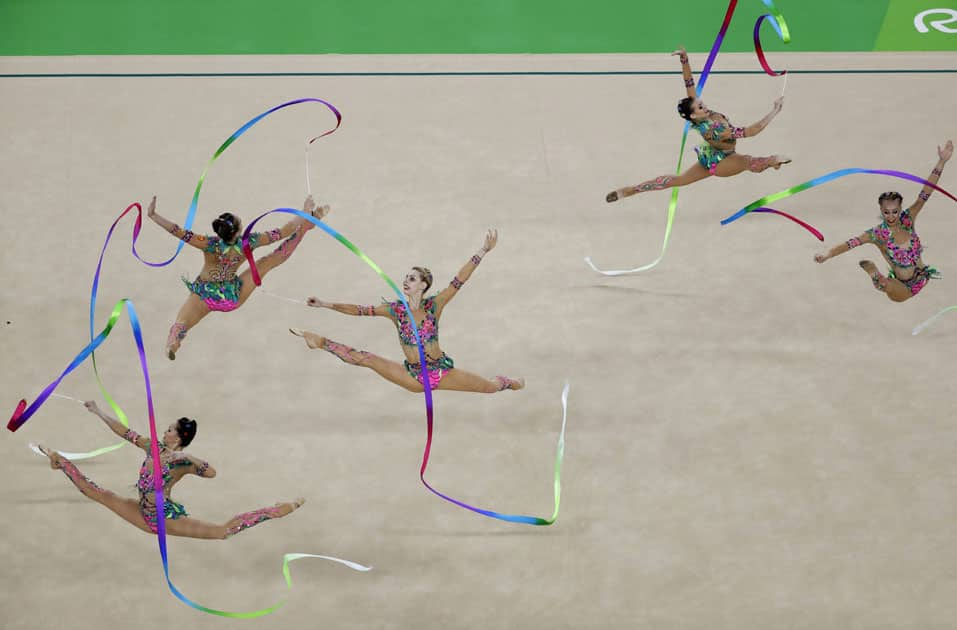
{"points": [[429, 413], [777, 21], [758, 205], [67, 454], [188, 223], [23, 413], [919, 328]]}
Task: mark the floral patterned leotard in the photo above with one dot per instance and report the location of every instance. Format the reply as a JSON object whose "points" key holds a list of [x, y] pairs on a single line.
{"points": [[903, 256], [429, 333], [218, 286], [711, 129], [174, 466]]}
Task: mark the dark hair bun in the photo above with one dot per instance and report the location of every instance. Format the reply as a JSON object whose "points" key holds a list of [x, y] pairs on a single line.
{"points": [[684, 107], [186, 429], [226, 226]]}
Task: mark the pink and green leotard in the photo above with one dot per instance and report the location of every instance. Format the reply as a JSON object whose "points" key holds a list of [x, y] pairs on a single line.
{"points": [[712, 129], [220, 287], [904, 257], [437, 368]]}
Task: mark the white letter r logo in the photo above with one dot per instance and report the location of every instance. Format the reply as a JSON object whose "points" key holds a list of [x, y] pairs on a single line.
{"points": [[937, 24]]}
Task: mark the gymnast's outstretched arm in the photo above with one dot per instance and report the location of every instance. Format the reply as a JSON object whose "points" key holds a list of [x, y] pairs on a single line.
{"points": [[187, 236], [686, 71], [117, 427], [843, 248], [446, 295], [382, 310], [943, 153], [755, 128], [193, 465]]}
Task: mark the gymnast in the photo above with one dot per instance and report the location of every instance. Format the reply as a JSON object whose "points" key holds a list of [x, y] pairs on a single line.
{"points": [[718, 156], [217, 288], [897, 239], [175, 464], [442, 372]]}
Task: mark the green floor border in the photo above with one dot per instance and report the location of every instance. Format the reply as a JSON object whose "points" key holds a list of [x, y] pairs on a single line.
{"points": [[244, 27]]}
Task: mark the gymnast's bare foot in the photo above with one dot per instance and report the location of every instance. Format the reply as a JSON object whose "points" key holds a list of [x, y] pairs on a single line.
{"points": [[779, 160], [621, 193], [313, 340], [176, 334], [288, 507], [510, 383]]}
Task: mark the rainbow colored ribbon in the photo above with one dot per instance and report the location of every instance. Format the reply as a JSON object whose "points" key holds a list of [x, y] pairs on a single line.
{"points": [[560, 454], [758, 206], [190, 217], [23, 413], [810, 228], [777, 20]]}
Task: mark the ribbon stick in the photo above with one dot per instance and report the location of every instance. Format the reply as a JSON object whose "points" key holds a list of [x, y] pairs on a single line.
{"points": [[308, 145], [777, 20], [427, 389], [22, 414], [823, 179], [282, 297], [308, 185]]}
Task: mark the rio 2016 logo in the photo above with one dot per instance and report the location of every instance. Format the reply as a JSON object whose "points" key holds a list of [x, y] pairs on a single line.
{"points": [[939, 18]]}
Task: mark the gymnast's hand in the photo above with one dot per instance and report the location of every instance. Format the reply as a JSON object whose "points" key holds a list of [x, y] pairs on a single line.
{"points": [[490, 240], [317, 303], [151, 210], [308, 205], [681, 52], [778, 104], [91, 406], [819, 258], [946, 153]]}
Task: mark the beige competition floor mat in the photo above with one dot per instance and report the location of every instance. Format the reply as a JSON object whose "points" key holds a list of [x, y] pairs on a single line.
{"points": [[754, 440]]}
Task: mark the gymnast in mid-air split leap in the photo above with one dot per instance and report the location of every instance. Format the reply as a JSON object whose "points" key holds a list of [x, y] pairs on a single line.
{"points": [[442, 372], [718, 156], [175, 464], [897, 239], [218, 288]]}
